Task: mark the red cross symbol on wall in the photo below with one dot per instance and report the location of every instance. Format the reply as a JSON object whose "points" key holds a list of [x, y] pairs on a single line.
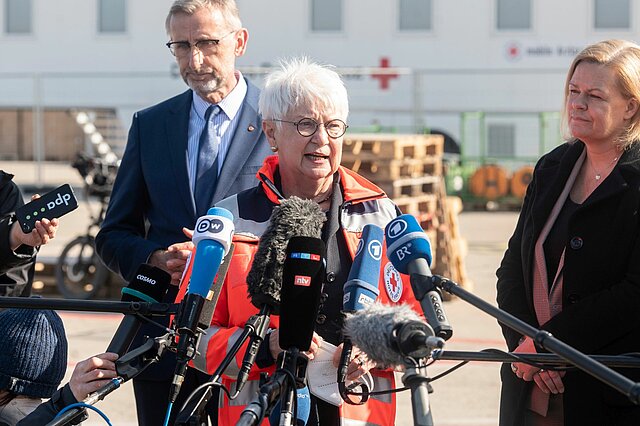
{"points": [[384, 77]]}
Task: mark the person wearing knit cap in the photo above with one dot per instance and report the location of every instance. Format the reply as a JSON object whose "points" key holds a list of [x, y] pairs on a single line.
{"points": [[33, 360]]}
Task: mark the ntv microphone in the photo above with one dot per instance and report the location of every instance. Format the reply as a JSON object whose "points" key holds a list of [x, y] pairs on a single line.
{"points": [[302, 278], [212, 238], [409, 250], [293, 217], [360, 290], [149, 285]]}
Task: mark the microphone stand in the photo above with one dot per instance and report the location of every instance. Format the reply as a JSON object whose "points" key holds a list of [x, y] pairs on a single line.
{"points": [[142, 308], [192, 413], [415, 340], [546, 340], [618, 361], [128, 366], [415, 377], [292, 368]]}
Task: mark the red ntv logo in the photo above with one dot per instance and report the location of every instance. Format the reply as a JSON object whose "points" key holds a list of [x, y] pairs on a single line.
{"points": [[302, 280]]}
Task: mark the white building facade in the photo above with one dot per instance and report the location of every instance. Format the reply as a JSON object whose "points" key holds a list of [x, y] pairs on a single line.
{"points": [[488, 72]]}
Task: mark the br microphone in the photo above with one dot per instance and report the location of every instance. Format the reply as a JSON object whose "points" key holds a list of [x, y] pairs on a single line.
{"points": [[212, 238], [149, 285], [360, 289], [293, 217], [409, 250], [387, 334]]}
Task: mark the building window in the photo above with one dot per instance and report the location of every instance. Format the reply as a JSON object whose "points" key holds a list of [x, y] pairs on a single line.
{"points": [[17, 16], [326, 15], [501, 140], [513, 14], [612, 14], [112, 16], [414, 15]]}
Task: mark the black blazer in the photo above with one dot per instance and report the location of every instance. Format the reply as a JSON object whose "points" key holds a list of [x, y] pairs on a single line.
{"points": [[601, 293]]}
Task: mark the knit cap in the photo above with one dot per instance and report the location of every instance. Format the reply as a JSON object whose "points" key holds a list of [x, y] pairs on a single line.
{"points": [[33, 352]]}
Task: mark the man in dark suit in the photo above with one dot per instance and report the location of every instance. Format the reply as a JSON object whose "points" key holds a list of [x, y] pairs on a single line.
{"points": [[156, 192]]}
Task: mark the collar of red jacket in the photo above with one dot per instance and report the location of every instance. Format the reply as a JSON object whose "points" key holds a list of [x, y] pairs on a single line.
{"points": [[355, 188]]}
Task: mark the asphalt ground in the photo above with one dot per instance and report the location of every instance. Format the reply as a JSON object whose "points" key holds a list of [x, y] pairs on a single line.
{"points": [[468, 396]]}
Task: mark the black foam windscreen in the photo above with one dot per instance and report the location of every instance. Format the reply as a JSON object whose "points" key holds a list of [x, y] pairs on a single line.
{"points": [[293, 217], [303, 274], [149, 285]]}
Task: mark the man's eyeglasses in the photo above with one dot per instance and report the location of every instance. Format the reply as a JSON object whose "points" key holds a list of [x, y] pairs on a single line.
{"points": [[207, 47], [308, 127]]}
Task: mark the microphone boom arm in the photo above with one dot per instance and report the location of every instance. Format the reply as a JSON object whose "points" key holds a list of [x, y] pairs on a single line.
{"points": [[547, 341]]}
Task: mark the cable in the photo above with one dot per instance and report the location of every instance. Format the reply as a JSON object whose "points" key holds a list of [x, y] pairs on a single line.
{"points": [[166, 417], [203, 387], [83, 405]]}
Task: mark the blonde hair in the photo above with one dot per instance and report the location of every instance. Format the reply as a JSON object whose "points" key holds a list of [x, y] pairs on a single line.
{"points": [[623, 57]]}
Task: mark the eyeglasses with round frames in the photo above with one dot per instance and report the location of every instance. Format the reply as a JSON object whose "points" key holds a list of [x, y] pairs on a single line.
{"points": [[308, 127], [207, 47]]}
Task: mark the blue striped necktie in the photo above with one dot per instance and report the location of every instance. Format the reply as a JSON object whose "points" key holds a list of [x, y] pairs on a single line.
{"points": [[207, 173]]}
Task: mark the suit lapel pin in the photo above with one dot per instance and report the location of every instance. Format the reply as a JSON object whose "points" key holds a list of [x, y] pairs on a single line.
{"points": [[251, 128]]}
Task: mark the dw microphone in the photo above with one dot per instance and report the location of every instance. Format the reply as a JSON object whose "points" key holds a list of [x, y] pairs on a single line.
{"points": [[149, 285], [409, 250], [212, 238]]}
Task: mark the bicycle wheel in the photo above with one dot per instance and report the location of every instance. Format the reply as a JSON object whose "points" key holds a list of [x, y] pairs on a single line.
{"points": [[79, 272]]}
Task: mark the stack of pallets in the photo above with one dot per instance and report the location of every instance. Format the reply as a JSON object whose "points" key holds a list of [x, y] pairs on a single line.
{"points": [[409, 169]]}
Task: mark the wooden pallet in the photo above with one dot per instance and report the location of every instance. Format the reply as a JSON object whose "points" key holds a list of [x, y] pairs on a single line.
{"points": [[451, 245], [378, 169], [411, 187], [393, 146], [419, 205]]}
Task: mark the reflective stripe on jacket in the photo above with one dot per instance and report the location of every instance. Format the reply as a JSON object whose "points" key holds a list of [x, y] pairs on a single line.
{"points": [[363, 203]]}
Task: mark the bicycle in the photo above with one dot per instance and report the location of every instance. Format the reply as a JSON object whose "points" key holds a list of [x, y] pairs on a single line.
{"points": [[80, 274]]}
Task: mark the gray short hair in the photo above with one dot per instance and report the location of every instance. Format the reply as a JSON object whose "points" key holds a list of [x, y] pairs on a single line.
{"points": [[228, 8], [299, 82]]}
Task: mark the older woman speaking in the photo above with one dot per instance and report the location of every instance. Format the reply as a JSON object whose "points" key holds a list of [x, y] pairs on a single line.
{"points": [[304, 107], [572, 266]]}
